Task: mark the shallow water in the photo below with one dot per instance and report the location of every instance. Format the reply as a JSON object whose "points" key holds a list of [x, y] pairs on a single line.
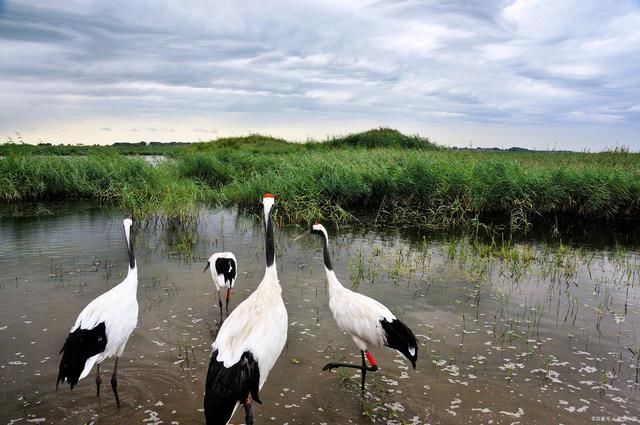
{"points": [[544, 336]]}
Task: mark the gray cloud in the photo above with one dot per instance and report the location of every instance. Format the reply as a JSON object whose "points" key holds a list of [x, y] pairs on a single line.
{"points": [[437, 63]]}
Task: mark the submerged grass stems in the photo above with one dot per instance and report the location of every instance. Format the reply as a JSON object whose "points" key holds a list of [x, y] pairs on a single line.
{"points": [[382, 174]]}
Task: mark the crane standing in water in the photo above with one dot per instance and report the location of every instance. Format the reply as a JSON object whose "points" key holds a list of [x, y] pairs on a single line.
{"points": [[367, 321], [224, 270], [248, 344], [103, 328]]}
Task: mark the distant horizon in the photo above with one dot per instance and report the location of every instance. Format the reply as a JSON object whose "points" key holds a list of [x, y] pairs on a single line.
{"points": [[328, 138], [498, 73]]}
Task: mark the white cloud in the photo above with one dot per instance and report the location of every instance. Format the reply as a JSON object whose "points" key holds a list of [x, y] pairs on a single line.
{"points": [[593, 117], [576, 70], [329, 95], [420, 39], [537, 88], [322, 67]]}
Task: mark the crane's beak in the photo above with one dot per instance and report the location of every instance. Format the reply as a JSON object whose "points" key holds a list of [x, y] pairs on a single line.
{"points": [[206, 267]]}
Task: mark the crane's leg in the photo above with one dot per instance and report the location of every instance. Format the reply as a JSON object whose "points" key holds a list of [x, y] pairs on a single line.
{"points": [[363, 371], [248, 411], [114, 382], [330, 366], [98, 381], [372, 361], [372, 368], [220, 305], [227, 301], [363, 368]]}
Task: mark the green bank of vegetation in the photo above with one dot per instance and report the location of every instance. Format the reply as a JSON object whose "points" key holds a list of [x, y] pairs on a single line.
{"points": [[390, 177], [16, 146], [128, 183]]}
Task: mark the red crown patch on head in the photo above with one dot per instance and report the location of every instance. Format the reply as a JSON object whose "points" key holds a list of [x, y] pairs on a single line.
{"points": [[268, 195]]}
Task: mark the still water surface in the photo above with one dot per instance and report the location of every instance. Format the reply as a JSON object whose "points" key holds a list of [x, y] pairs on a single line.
{"points": [[541, 335]]}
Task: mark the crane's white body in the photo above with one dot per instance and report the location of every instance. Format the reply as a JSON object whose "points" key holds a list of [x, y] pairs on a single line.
{"points": [[362, 317], [258, 325], [118, 309], [357, 314], [367, 321]]}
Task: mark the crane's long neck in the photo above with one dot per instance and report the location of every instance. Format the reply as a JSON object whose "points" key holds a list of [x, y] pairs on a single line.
{"points": [[269, 242], [334, 283], [132, 258], [270, 280], [326, 254], [131, 280]]}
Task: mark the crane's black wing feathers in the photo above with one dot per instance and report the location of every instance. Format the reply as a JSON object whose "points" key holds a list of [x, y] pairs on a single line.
{"points": [[78, 347], [226, 267], [228, 386], [399, 337]]}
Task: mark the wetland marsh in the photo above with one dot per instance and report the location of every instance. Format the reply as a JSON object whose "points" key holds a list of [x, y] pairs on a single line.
{"points": [[399, 180], [512, 331]]}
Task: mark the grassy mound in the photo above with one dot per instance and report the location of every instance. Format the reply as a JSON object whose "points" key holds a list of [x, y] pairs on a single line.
{"points": [[382, 138]]}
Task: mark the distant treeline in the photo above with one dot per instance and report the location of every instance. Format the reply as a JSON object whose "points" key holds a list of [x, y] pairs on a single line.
{"points": [[124, 148], [377, 138], [391, 177]]}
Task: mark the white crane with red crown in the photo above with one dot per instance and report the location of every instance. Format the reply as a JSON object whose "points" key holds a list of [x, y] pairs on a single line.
{"points": [[248, 344], [368, 322], [103, 328]]}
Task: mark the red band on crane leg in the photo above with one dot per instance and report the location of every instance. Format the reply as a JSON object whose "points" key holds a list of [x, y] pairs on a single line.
{"points": [[228, 290], [372, 362]]}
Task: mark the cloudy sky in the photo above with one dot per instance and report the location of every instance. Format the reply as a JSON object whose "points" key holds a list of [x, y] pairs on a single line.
{"points": [[536, 73]]}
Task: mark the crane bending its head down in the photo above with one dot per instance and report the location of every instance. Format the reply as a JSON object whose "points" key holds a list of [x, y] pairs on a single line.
{"points": [[224, 270], [367, 321]]}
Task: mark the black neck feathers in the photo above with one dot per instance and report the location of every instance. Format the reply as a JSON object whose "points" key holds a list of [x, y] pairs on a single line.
{"points": [[270, 246], [132, 258], [325, 252]]}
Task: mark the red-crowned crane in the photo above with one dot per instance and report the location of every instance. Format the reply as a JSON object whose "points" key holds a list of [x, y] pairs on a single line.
{"points": [[367, 321], [102, 328], [248, 344], [224, 269]]}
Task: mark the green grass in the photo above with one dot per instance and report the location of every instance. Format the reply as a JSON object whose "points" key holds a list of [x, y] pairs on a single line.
{"points": [[430, 189], [16, 146], [129, 184], [382, 138], [390, 177]]}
